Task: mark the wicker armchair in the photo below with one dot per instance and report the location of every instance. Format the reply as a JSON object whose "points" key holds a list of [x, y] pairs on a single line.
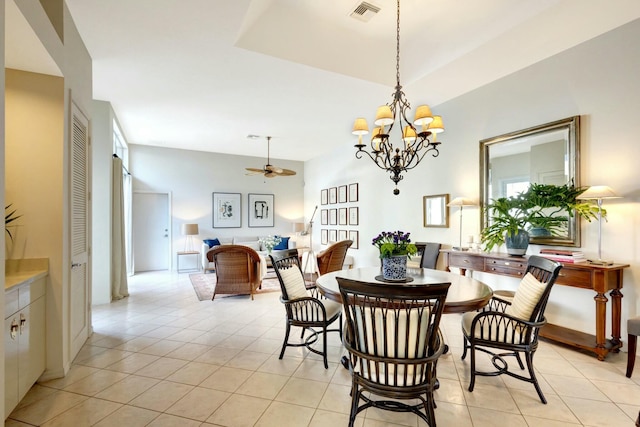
{"points": [[305, 306], [394, 342], [237, 269], [332, 258], [512, 325]]}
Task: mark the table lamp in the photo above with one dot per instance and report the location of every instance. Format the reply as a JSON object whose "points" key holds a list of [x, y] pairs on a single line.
{"points": [[462, 202], [599, 193], [298, 227], [189, 230]]}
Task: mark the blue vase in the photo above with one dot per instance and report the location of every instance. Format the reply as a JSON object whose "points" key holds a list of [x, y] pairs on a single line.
{"points": [[518, 243], [394, 267]]}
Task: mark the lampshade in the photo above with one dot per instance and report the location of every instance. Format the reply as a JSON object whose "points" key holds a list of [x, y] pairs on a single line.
{"points": [[408, 135], [189, 229], [360, 127], [436, 126], [298, 227], [462, 201], [384, 116], [423, 116], [598, 192]]}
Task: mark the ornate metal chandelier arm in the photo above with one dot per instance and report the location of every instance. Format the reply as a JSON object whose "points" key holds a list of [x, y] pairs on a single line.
{"points": [[377, 163]]}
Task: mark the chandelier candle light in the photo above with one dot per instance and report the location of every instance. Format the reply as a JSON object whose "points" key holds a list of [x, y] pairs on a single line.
{"points": [[599, 193], [417, 139]]}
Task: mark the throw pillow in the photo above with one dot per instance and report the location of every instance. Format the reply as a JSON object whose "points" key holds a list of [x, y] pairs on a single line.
{"points": [[211, 242], [283, 245], [526, 297], [293, 283]]}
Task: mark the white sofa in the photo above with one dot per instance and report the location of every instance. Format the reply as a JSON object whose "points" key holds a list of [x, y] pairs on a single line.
{"points": [[251, 241]]}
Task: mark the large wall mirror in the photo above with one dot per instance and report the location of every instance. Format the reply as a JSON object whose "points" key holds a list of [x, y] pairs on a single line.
{"points": [[545, 154]]}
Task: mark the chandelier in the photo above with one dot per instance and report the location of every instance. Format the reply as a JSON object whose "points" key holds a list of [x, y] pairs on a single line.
{"points": [[417, 139]]}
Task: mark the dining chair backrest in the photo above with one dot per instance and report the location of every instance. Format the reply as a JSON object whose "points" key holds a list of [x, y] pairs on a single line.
{"points": [[332, 258], [287, 267], [430, 255], [546, 272]]}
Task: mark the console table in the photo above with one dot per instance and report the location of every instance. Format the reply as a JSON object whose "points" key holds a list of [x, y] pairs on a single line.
{"points": [[599, 278]]}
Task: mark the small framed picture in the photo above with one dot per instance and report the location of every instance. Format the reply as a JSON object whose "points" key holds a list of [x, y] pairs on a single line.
{"points": [[324, 236], [333, 236], [261, 213], [353, 235], [342, 216], [333, 195], [342, 235], [226, 210], [342, 194], [324, 217], [324, 196], [353, 192], [353, 216], [333, 216]]}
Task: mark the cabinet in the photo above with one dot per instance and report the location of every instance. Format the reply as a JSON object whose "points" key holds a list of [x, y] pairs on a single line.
{"points": [[601, 279], [24, 338]]}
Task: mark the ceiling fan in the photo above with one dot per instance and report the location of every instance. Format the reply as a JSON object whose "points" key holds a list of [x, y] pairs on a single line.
{"points": [[269, 170]]}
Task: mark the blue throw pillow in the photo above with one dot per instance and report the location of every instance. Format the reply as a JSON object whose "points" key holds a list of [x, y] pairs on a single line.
{"points": [[283, 245], [211, 242]]}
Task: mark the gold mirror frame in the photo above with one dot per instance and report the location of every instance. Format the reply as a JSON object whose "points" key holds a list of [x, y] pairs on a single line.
{"points": [[435, 210], [520, 143]]}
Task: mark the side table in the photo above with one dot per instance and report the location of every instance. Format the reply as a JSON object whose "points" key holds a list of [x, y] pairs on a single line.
{"points": [[195, 254]]}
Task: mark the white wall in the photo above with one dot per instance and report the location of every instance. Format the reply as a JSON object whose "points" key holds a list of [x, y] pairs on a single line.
{"points": [[597, 80], [192, 176]]}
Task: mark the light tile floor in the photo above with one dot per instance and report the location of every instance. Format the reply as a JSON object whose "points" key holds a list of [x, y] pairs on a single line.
{"points": [[163, 358]]}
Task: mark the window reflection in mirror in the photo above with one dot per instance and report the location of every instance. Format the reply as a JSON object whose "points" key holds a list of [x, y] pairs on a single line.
{"points": [[545, 154]]}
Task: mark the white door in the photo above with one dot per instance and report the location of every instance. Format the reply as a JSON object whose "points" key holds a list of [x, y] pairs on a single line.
{"points": [[79, 294], [151, 231]]}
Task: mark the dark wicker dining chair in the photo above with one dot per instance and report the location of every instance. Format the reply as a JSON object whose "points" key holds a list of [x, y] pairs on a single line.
{"points": [[394, 342], [305, 307], [512, 324]]}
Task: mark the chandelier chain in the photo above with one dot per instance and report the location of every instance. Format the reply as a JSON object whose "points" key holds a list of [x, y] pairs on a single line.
{"points": [[398, 44]]}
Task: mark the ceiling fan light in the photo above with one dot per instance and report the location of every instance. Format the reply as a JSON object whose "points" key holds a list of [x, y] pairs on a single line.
{"points": [[360, 127], [384, 116]]}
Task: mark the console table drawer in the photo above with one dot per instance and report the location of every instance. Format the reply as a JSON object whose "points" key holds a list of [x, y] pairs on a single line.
{"points": [[507, 271], [465, 261], [505, 266], [574, 277]]}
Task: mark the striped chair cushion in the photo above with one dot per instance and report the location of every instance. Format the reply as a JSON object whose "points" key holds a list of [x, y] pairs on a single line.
{"points": [[526, 298]]}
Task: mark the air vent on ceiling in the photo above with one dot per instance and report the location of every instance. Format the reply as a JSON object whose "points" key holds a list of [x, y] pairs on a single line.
{"points": [[364, 11]]}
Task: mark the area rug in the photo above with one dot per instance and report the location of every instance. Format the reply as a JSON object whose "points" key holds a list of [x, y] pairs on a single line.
{"points": [[204, 284]]}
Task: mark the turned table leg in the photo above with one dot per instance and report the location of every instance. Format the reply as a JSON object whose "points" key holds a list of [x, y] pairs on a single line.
{"points": [[601, 325], [616, 314]]}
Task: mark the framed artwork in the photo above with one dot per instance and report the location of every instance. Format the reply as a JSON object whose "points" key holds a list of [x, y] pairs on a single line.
{"points": [[342, 194], [353, 216], [261, 213], [333, 195], [226, 210], [324, 217], [342, 235], [324, 236], [333, 236], [342, 216], [324, 196], [333, 216], [353, 235], [435, 210], [353, 192]]}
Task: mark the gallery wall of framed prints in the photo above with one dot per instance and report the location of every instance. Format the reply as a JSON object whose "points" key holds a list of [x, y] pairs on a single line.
{"points": [[339, 214]]}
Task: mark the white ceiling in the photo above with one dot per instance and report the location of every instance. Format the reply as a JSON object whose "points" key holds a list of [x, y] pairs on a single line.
{"points": [[203, 74]]}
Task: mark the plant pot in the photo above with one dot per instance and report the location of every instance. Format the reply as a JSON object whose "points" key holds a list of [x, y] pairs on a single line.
{"points": [[518, 243], [394, 267]]}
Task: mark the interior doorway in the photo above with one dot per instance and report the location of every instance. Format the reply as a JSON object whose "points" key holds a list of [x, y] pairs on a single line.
{"points": [[151, 232]]}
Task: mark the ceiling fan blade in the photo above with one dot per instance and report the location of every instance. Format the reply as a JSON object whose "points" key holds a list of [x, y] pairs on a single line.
{"points": [[270, 174], [256, 170], [287, 172]]}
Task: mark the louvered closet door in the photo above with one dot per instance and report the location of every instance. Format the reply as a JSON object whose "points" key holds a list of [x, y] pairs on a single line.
{"points": [[79, 310]]}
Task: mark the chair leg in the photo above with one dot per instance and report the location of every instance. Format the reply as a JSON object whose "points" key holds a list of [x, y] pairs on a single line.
{"points": [[631, 355], [324, 346], [355, 398], [472, 382], [529, 359], [519, 360], [286, 340], [302, 333], [464, 347]]}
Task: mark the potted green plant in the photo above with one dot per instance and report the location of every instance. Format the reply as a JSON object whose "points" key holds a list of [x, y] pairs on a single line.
{"points": [[395, 247], [9, 218], [544, 209]]}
